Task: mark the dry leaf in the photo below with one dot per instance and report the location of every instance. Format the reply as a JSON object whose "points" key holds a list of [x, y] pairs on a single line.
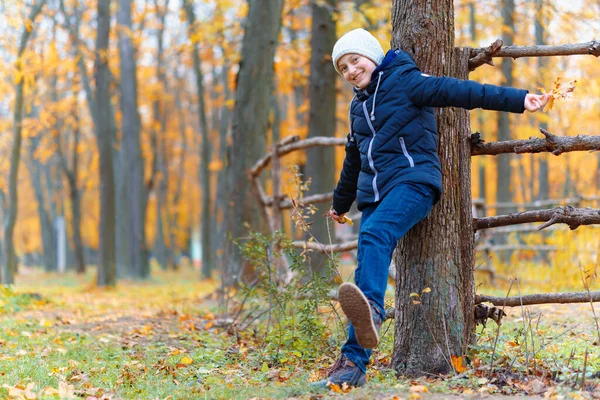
{"points": [[458, 363], [558, 92], [346, 220], [187, 360]]}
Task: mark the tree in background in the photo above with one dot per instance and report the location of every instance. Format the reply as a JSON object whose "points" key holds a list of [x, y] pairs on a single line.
{"points": [[205, 153], [250, 123], [320, 161], [132, 163], [104, 137], [9, 266]]}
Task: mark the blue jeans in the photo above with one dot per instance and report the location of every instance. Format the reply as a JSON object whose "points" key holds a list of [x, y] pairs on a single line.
{"points": [[381, 226]]}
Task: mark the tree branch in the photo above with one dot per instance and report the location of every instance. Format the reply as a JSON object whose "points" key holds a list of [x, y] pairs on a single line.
{"points": [[293, 143], [336, 248], [546, 298], [484, 55], [551, 143], [303, 202], [532, 299], [573, 217]]}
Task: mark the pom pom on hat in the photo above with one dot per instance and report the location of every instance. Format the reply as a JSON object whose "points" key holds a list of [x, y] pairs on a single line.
{"points": [[357, 41]]}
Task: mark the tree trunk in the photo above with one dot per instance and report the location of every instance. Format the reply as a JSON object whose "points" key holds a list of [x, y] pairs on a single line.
{"points": [[132, 162], [48, 238], [250, 122], [481, 160], [9, 267], [540, 39], [504, 188], [320, 161], [205, 152], [220, 206], [504, 169], [104, 137], [428, 334], [160, 155]]}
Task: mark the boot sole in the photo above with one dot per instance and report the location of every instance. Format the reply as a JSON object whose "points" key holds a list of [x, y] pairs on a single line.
{"points": [[358, 310]]}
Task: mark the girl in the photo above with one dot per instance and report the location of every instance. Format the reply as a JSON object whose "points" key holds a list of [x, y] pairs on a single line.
{"points": [[392, 170]]}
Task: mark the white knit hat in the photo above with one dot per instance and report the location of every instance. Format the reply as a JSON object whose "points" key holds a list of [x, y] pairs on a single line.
{"points": [[360, 42]]}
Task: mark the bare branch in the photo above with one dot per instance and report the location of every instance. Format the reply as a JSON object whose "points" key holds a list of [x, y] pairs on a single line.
{"points": [[573, 217], [569, 201], [546, 298], [293, 143], [552, 143], [303, 202], [336, 248], [591, 48], [528, 300]]}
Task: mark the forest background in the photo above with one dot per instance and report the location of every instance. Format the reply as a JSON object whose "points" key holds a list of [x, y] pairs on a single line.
{"points": [[170, 128]]}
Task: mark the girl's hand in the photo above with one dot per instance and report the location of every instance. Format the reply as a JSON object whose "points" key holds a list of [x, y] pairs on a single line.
{"points": [[339, 218], [534, 102]]}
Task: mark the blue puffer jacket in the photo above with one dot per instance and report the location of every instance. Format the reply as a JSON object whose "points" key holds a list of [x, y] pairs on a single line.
{"points": [[393, 134]]}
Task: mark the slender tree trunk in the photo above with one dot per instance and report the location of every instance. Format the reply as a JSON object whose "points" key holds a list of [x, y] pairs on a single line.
{"points": [[104, 137], [75, 195], [48, 238], [250, 121], [540, 39], [480, 160], [220, 206], [160, 156], [205, 152], [504, 182], [320, 161], [132, 162], [503, 189], [428, 334], [10, 265]]}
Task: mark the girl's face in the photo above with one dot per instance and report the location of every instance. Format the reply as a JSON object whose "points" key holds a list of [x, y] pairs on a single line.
{"points": [[356, 69]]}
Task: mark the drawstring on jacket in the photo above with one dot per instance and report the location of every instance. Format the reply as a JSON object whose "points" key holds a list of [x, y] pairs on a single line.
{"points": [[375, 96], [350, 118]]}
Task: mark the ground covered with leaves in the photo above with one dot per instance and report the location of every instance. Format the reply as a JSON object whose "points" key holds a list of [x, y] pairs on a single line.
{"points": [[60, 337]]}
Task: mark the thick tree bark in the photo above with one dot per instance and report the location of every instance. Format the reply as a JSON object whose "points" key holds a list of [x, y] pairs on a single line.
{"points": [[426, 335], [320, 168], [9, 267], [205, 152], [132, 163], [250, 122], [104, 137]]}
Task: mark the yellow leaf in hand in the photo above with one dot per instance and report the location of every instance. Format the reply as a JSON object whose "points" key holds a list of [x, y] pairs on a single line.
{"points": [[346, 220], [559, 92]]}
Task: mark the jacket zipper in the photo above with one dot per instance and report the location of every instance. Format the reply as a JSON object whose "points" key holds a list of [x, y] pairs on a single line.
{"points": [[369, 155], [405, 151]]}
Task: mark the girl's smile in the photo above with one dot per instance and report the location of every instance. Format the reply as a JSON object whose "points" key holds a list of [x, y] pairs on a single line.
{"points": [[356, 69]]}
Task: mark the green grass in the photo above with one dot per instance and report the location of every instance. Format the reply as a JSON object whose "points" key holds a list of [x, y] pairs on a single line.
{"points": [[156, 340]]}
